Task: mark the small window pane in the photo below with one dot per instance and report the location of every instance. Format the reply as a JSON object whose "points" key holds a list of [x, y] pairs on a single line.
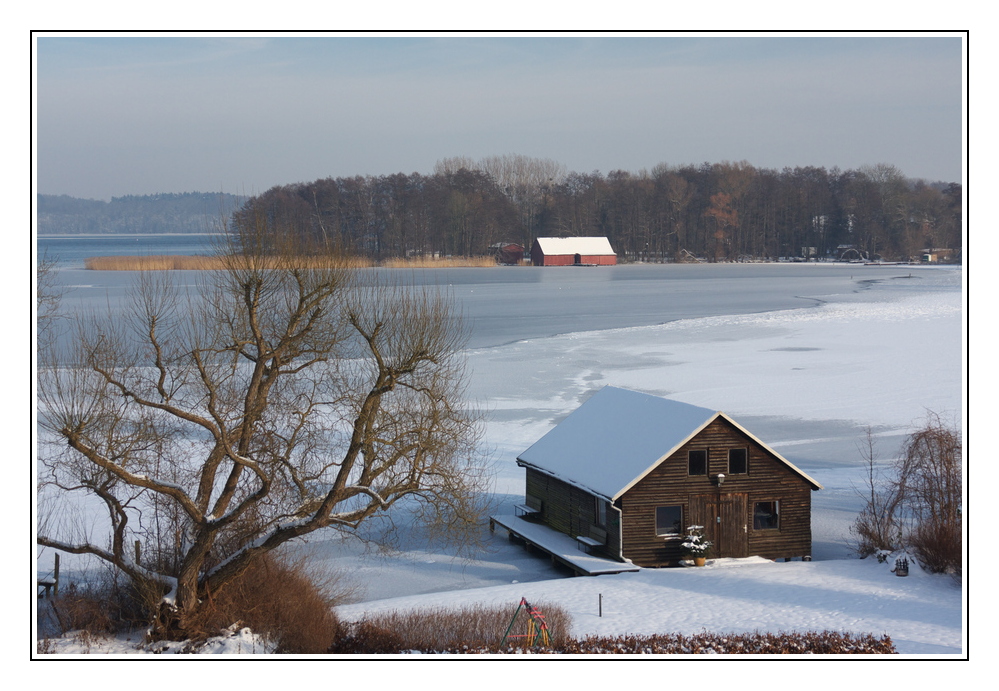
{"points": [[599, 511], [765, 515], [737, 462], [669, 520], [697, 462]]}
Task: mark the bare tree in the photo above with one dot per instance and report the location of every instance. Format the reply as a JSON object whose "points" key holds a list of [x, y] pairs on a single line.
{"points": [[281, 398], [48, 296], [878, 526]]}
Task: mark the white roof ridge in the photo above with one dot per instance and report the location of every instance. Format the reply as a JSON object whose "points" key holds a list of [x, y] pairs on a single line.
{"points": [[618, 436], [593, 245]]}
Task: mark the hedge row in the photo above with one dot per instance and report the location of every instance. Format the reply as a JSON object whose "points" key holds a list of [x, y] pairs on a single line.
{"points": [[808, 643]]}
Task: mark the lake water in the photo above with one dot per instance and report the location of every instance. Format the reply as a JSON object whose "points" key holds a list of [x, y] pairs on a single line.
{"points": [[69, 251], [507, 304]]}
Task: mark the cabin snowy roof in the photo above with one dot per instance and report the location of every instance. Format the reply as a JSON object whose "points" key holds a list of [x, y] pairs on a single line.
{"points": [[590, 246], [618, 436]]}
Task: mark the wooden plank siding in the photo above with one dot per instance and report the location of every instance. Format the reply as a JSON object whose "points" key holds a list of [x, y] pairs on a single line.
{"points": [[767, 479], [570, 509]]}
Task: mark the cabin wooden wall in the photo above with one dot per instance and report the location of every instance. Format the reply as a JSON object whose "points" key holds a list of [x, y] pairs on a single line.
{"points": [[570, 510], [768, 479]]}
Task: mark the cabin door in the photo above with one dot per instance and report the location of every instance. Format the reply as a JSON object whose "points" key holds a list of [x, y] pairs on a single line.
{"points": [[725, 518]]}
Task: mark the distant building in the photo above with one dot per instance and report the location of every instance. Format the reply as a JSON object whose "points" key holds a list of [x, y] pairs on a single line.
{"points": [[508, 252], [932, 255], [572, 251]]}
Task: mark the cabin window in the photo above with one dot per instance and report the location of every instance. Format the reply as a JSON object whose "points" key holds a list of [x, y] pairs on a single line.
{"points": [[766, 515], [738, 461], [599, 511], [669, 520], [697, 462]]}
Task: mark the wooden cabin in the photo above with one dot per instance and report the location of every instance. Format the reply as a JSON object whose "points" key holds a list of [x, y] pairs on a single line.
{"points": [[509, 253], [594, 251], [627, 473]]}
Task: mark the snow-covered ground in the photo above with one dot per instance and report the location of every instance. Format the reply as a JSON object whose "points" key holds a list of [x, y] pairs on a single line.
{"points": [[921, 613], [805, 381]]}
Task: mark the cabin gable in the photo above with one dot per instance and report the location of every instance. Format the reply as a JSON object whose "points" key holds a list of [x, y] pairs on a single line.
{"points": [[682, 485]]}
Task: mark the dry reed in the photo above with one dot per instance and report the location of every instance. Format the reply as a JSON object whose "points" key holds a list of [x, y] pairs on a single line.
{"points": [[450, 628], [151, 263], [438, 263]]}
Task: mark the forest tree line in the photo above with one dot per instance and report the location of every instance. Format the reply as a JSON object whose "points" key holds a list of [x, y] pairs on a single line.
{"points": [[715, 212]]}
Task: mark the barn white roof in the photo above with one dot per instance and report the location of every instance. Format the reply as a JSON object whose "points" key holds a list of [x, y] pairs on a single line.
{"points": [[591, 246], [616, 437]]}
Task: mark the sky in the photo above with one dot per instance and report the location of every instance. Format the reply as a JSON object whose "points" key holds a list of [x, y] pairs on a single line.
{"points": [[240, 113]]}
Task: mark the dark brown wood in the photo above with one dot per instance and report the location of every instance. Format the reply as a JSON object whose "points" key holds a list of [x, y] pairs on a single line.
{"points": [[724, 517], [767, 479], [570, 510], [726, 512]]}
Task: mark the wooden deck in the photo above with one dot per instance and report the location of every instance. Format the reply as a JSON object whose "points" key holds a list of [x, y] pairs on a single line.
{"points": [[560, 547]]}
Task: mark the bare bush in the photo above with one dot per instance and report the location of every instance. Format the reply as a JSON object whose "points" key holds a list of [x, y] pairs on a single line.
{"points": [[82, 608], [286, 600], [452, 629], [930, 479], [918, 504]]}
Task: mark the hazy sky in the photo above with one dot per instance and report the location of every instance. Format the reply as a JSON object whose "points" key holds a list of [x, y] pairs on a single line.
{"points": [[138, 115]]}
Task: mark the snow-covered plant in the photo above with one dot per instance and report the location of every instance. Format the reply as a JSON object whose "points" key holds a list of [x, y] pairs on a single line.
{"points": [[694, 544]]}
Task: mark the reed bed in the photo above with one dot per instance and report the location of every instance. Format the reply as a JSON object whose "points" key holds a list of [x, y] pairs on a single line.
{"points": [[160, 262], [167, 262], [438, 262]]}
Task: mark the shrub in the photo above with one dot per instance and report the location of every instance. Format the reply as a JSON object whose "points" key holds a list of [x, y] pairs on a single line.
{"points": [[84, 608], [449, 629], [107, 604], [781, 643], [918, 504], [930, 479], [365, 637], [282, 599], [371, 638]]}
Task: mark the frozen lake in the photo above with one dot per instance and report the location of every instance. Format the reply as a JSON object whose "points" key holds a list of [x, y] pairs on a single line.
{"points": [[507, 304], [803, 355]]}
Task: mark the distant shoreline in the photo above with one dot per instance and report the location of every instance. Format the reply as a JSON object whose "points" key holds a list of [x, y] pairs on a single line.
{"points": [[200, 262]]}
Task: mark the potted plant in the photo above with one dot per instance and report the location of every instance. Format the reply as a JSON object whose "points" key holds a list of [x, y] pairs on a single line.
{"points": [[695, 545]]}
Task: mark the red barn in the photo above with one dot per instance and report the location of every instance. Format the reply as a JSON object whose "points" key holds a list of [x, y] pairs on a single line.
{"points": [[508, 253], [572, 251]]}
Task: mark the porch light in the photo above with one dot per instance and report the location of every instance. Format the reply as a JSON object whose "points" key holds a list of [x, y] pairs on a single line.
{"points": [[720, 478]]}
